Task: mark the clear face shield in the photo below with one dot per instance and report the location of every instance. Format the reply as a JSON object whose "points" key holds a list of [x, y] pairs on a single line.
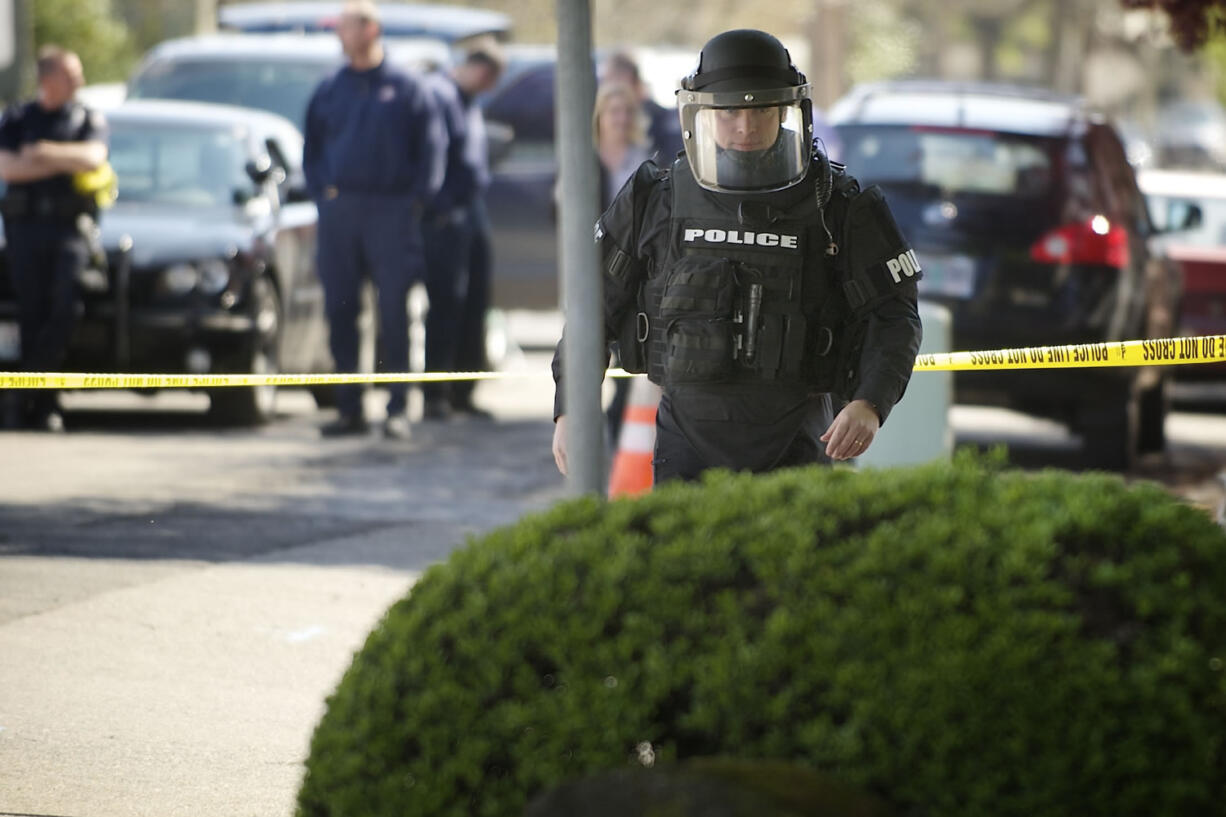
{"points": [[747, 141]]}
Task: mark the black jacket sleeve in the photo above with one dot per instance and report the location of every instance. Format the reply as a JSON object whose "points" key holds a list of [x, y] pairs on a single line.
{"points": [[891, 342]]}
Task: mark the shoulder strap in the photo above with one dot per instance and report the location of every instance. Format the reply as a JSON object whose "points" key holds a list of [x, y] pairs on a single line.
{"points": [[645, 178]]}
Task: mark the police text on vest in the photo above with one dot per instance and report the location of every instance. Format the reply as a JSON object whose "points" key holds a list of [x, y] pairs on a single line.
{"points": [[746, 238], [906, 264]]}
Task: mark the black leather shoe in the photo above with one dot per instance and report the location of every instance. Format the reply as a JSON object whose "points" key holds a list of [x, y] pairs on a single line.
{"points": [[345, 425], [436, 409], [472, 412]]}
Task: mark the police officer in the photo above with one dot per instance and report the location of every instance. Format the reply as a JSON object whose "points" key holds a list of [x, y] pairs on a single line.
{"points": [[753, 279], [456, 233], [43, 144], [373, 156]]}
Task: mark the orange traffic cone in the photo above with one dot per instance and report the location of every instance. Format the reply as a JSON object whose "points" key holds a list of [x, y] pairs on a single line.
{"points": [[636, 441]]}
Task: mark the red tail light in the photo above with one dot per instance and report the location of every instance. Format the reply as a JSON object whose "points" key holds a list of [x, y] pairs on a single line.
{"points": [[1097, 242]]}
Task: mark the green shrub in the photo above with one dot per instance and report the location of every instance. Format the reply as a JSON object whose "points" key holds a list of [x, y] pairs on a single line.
{"points": [[708, 787], [957, 639]]}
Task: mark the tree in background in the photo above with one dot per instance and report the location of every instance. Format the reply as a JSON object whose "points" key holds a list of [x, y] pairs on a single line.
{"points": [[90, 28], [149, 22], [1193, 22]]}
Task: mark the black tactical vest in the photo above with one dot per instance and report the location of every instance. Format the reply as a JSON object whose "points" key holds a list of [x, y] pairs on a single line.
{"points": [[739, 294], [749, 290]]}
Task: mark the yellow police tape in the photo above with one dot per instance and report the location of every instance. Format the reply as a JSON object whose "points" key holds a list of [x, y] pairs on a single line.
{"points": [[1157, 352]]}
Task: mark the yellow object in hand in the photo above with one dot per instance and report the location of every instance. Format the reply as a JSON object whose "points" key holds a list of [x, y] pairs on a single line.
{"points": [[100, 184]]}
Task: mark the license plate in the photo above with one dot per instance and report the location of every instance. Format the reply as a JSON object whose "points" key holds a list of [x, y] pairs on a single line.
{"points": [[950, 276], [10, 341]]}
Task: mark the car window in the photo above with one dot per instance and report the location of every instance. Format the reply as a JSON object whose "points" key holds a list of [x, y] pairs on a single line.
{"points": [[952, 161], [1171, 212], [526, 105], [187, 167], [283, 87]]}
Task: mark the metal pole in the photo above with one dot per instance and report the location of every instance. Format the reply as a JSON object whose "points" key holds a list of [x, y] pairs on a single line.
{"points": [[583, 355]]}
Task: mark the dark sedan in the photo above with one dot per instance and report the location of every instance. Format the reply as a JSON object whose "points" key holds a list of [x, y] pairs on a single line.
{"points": [[210, 254], [1026, 217]]}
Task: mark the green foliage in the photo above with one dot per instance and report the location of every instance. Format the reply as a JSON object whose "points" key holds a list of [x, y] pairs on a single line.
{"points": [[89, 28], [957, 639], [708, 787]]}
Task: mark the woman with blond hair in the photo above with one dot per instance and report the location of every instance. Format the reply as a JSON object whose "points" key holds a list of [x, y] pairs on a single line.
{"points": [[619, 129]]}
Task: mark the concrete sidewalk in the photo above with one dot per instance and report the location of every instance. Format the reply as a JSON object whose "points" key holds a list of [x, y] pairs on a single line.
{"points": [[187, 684]]}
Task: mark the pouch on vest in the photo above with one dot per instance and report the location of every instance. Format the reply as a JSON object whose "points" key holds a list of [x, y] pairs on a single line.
{"points": [[877, 259], [621, 279], [696, 309]]}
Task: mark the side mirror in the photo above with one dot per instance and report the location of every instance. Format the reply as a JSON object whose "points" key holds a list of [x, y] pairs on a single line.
{"points": [[275, 153], [500, 138], [1193, 217], [260, 170]]}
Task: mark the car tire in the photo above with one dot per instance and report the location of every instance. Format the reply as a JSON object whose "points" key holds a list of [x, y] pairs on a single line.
{"points": [[1154, 405], [1111, 428], [254, 405]]}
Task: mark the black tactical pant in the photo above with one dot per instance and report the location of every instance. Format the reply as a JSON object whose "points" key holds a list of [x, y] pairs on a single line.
{"points": [[676, 458], [470, 346], [447, 238], [45, 257]]}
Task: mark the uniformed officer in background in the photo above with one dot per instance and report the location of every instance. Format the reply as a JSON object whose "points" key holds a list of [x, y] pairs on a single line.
{"points": [[373, 157], [456, 232], [752, 280], [48, 222]]}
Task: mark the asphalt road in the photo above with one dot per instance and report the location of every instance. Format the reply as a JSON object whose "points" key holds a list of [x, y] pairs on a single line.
{"points": [[177, 601]]}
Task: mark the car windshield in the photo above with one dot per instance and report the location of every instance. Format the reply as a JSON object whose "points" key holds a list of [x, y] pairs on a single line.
{"points": [[181, 166], [949, 160], [283, 87]]}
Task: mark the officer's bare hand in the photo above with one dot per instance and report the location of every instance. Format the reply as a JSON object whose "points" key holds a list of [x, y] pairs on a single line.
{"points": [[559, 443], [852, 431]]}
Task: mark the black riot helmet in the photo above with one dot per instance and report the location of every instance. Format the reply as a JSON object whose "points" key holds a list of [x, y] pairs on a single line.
{"points": [[746, 115]]}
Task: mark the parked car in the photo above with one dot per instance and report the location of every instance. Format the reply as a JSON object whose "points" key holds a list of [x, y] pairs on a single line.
{"points": [[1192, 206], [1027, 220], [209, 255], [270, 72], [452, 24], [520, 198]]}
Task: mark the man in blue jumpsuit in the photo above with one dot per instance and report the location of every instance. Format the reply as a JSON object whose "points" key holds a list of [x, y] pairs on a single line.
{"points": [[42, 144], [456, 233], [373, 156]]}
